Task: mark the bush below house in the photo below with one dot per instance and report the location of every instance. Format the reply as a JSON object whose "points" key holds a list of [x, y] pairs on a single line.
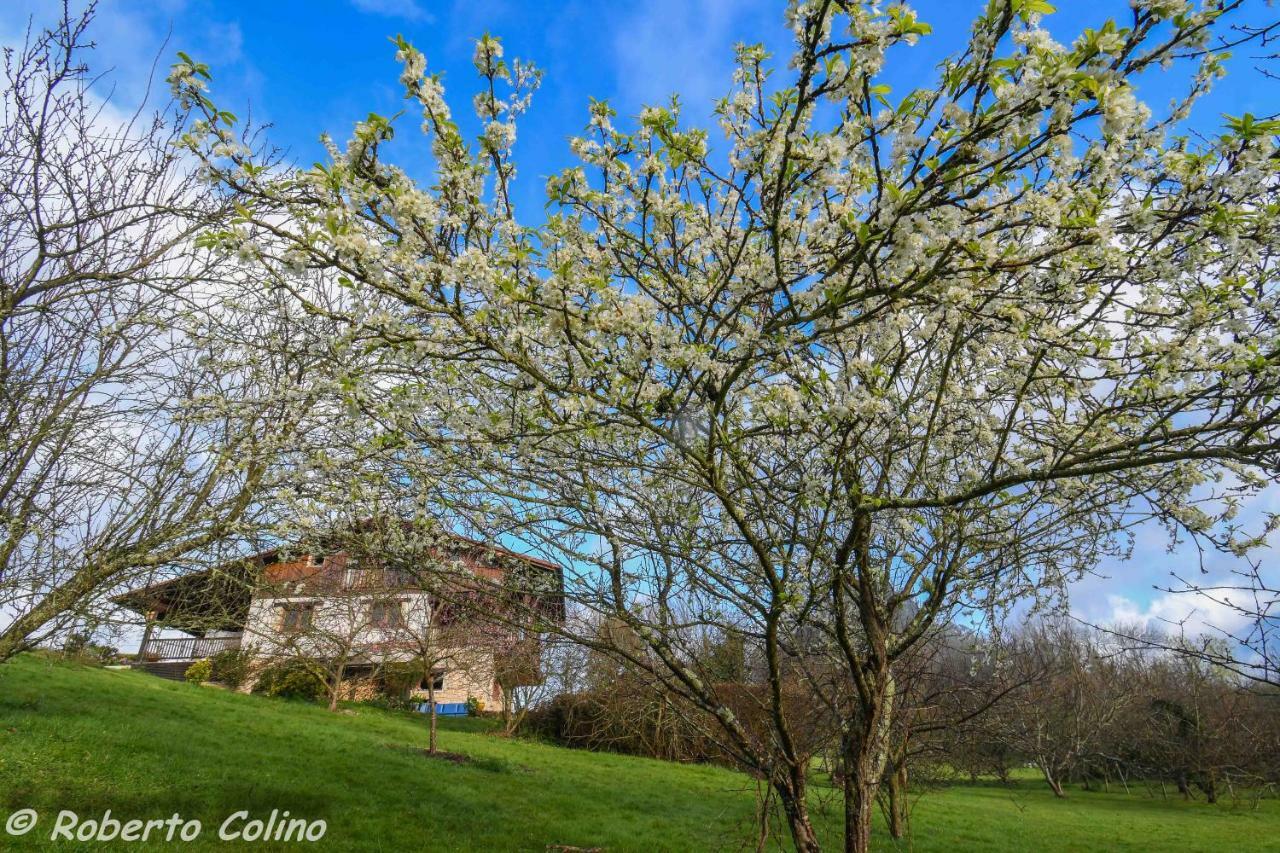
{"points": [[291, 679], [397, 678], [199, 672], [231, 667], [391, 703]]}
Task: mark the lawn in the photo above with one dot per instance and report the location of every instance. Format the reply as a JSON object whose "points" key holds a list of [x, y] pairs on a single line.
{"points": [[88, 740]]}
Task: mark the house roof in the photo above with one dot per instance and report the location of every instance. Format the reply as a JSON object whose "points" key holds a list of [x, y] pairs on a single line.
{"points": [[196, 602], [219, 596]]}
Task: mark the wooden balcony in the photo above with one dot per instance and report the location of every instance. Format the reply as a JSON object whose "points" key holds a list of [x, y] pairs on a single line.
{"points": [[377, 580], [186, 648]]}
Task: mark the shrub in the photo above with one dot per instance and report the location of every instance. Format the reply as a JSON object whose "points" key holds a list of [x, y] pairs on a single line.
{"points": [[81, 648], [75, 643], [392, 703], [631, 717], [231, 666], [475, 707], [98, 655], [398, 678], [292, 679], [200, 671]]}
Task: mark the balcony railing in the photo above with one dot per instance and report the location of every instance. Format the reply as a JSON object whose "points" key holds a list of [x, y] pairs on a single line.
{"points": [[187, 648]]}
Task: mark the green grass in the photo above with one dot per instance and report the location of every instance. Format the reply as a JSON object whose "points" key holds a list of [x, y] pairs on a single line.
{"points": [[88, 740]]}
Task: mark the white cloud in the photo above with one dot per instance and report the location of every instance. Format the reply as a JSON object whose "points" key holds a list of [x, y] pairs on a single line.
{"points": [[135, 44], [1135, 591], [408, 9], [1175, 613], [679, 46]]}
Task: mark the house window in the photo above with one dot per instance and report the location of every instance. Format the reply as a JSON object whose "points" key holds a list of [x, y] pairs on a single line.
{"points": [[437, 678], [296, 618], [386, 614]]}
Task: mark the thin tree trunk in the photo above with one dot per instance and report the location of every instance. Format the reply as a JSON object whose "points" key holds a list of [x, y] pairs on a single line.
{"points": [[792, 795], [431, 701], [898, 800], [764, 795], [1055, 784], [337, 687]]}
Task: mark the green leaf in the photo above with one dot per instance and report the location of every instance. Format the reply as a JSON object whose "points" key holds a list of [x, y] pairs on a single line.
{"points": [[1026, 8], [1249, 127]]}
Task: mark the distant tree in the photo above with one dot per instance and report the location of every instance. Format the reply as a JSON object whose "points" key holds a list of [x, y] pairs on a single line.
{"points": [[1062, 721], [956, 684], [1197, 729], [725, 657]]}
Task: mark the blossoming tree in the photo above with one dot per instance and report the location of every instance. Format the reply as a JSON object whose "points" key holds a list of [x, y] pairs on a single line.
{"points": [[875, 360]]}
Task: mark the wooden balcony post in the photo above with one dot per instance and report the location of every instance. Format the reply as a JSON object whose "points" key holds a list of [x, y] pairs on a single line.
{"points": [[146, 633]]}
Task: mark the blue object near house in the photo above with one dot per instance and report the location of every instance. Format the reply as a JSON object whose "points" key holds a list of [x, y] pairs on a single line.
{"points": [[444, 709]]}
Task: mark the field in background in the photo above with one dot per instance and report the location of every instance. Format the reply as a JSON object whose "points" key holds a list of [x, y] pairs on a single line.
{"points": [[88, 740]]}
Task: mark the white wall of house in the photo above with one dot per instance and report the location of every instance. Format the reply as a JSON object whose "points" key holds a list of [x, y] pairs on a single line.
{"points": [[346, 624], [337, 622], [466, 674]]}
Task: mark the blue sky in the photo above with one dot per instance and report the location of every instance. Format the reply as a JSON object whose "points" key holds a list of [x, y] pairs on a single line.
{"points": [[306, 67]]}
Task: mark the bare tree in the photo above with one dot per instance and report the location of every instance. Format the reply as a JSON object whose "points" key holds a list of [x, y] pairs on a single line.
{"points": [[132, 434], [955, 686], [1062, 720], [446, 642]]}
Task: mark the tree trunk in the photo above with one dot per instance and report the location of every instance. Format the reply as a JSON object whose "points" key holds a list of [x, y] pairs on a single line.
{"points": [[866, 751], [431, 702], [859, 800], [792, 795], [898, 800], [1055, 784], [336, 690], [1207, 783], [16, 637]]}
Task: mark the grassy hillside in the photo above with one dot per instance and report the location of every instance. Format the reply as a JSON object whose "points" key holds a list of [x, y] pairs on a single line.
{"points": [[90, 740]]}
